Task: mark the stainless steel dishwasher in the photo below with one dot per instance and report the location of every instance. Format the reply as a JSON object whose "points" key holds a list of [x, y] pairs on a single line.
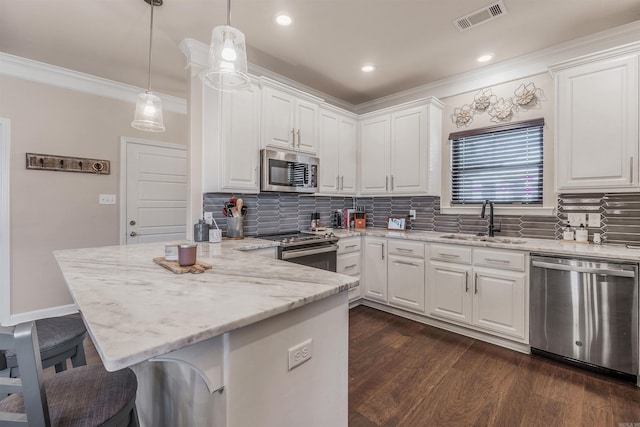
{"points": [[586, 311]]}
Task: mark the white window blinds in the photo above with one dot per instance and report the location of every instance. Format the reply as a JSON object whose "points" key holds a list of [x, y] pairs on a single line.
{"points": [[501, 163]]}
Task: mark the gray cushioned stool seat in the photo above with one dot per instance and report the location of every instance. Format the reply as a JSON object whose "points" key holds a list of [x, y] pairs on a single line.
{"points": [[58, 335], [85, 396]]}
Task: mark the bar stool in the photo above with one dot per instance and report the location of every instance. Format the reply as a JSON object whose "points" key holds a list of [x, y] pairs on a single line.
{"points": [[60, 339], [83, 396]]}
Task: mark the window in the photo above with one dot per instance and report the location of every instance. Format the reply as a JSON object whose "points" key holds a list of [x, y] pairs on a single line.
{"points": [[500, 163]]}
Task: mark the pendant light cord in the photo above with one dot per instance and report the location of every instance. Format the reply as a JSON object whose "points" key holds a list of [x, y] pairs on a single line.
{"points": [[150, 46], [229, 13]]}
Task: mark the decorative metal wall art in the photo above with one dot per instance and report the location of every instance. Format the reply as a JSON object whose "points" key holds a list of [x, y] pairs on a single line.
{"points": [[526, 97], [49, 162]]}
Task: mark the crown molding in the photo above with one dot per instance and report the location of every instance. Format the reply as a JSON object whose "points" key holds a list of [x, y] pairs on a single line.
{"points": [[39, 72]]}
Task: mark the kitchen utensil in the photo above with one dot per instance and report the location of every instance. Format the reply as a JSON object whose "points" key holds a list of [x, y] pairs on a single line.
{"points": [[239, 204], [243, 211], [225, 212]]}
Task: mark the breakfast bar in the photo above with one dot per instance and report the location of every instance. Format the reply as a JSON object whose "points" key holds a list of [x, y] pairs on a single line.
{"points": [[220, 348]]}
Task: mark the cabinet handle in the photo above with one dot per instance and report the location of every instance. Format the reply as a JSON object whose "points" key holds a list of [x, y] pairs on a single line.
{"points": [[337, 182], [475, 283], [342, 182], [351, 266], [449, 256], [631, 169], [501, 261], [386, 183], [466, 282], [405, 263], [405, 250], [350, 246], [391, 182], [382, 246], [298, 138]]}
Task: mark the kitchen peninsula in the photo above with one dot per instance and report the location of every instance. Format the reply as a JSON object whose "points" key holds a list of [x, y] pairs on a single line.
{"points": [[230, 330]]}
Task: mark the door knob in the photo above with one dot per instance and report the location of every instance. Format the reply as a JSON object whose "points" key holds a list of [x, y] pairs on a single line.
{"points": [[133, 234], [132, 222]]}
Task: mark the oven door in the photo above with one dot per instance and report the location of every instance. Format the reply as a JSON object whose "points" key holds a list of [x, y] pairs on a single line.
{"points": [[323, 257]]}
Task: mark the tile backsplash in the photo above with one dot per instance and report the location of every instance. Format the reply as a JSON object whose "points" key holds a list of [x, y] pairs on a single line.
{"points": [[277, 212]]}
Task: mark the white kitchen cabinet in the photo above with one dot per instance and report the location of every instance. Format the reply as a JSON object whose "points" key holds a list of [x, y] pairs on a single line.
{"points": [[337, 147], [231, 141], [596, 121], [349, 261], [374, 273], [484, 288], [406, 274], [290, 119], [400, 149]]}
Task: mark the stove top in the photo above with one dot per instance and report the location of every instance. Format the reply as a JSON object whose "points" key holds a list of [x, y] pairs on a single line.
{"points": [[297, 238]]}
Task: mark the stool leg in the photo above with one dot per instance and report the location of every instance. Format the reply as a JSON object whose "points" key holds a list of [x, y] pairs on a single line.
{"points": [[79, 359]]}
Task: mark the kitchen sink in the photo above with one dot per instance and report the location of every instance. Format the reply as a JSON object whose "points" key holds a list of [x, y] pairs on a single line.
{"points": [[474, 238]]}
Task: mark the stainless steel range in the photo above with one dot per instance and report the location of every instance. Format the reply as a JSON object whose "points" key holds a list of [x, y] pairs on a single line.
{"points": [[314, 250]]}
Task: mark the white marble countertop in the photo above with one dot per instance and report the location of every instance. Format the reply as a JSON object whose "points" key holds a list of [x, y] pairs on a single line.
{"points": [[546, 246], [135, 309]]}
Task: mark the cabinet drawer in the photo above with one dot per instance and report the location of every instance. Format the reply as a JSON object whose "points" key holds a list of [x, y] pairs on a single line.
{"points": [[404, 248], [350, 244], [450, 253], [499, 259], [348, 264]]}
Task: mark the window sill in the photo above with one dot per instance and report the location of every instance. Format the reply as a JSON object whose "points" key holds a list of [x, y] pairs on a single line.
{"points": [[500, 210]]}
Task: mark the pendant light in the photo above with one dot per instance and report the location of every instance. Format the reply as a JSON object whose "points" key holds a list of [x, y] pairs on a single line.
{"points": [[148, 116], [227, 59]]}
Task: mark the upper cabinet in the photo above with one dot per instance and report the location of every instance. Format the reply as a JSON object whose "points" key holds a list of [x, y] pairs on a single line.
{"points": [[596, 137], [231, 135], [400, 150], [338, 152], [289, 119]]}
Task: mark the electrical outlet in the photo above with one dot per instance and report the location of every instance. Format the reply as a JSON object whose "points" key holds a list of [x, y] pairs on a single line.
{"points": [[208, 216], [107, 199], [412, 213], [300, 353], [575, 219], [594, 220]]}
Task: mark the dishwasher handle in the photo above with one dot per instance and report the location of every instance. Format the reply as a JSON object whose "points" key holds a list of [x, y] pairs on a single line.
{"points": [[608, 272]]}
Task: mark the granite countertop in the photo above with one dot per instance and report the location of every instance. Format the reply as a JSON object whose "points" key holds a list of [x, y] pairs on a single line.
{"points": [[135, 309], [532, 245]]}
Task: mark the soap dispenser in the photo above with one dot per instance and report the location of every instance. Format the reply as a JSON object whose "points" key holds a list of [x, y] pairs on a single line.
{"points": [[567, 234], [582, 235]]}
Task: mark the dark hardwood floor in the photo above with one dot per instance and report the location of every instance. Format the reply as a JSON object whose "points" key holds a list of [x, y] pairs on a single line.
{"points": [[403, 373]]}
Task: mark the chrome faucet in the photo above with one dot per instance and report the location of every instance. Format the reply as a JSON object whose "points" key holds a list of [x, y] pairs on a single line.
{"points": [[492, 229]]}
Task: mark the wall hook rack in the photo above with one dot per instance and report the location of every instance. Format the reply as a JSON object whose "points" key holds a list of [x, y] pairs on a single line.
{"points": [[50, 162]]}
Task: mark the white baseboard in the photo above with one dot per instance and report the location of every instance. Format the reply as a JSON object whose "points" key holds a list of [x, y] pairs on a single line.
{"points": [[28, 316]]}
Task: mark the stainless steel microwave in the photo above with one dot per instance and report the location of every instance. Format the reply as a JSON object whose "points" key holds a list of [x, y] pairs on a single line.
{"points": [[288, 172]]}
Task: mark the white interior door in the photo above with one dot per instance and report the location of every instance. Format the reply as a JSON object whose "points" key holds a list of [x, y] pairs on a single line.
{"points": [[156, 192]]}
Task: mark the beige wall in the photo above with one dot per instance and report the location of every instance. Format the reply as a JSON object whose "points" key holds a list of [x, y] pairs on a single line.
{"points": [[59, 210]]}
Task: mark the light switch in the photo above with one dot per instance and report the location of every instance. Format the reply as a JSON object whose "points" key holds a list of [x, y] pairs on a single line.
{"points": [[107, 199], [594, 220]]}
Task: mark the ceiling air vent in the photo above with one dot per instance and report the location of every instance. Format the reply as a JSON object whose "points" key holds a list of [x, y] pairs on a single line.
{"points": [[485, 14]]}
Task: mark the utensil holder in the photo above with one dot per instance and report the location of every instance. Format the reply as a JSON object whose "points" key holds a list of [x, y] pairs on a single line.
{"points": [[235, 228]]}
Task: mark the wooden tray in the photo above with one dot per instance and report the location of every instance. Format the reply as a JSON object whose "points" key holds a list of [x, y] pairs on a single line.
{"points": [[198, 267]]}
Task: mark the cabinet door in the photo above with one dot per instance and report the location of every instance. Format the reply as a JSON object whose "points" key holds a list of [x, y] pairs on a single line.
{"points": [[329, 175], [347, 156], [409, 151], [499, 302], [277, 114], [306, 126], [374, 156], [597, 120], [406, 282], [240, 140], [449, 293], [374, 273]]}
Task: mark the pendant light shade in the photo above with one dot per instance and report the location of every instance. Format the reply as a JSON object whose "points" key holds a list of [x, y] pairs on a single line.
{"points": [[227, 59], [148, 115]]}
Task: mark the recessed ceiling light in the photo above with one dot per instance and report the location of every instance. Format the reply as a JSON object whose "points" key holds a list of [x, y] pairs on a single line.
{"points": [[283, 19], [368, 68], [486, 57]]}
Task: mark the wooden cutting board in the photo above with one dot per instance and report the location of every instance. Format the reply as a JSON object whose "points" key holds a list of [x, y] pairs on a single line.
{"points": [[198, 267]]}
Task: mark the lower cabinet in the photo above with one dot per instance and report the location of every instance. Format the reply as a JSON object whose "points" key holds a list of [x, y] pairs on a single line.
{"points": [[348, 262], [460, 288], [480, 288], [374, 274], [405, 274]]}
